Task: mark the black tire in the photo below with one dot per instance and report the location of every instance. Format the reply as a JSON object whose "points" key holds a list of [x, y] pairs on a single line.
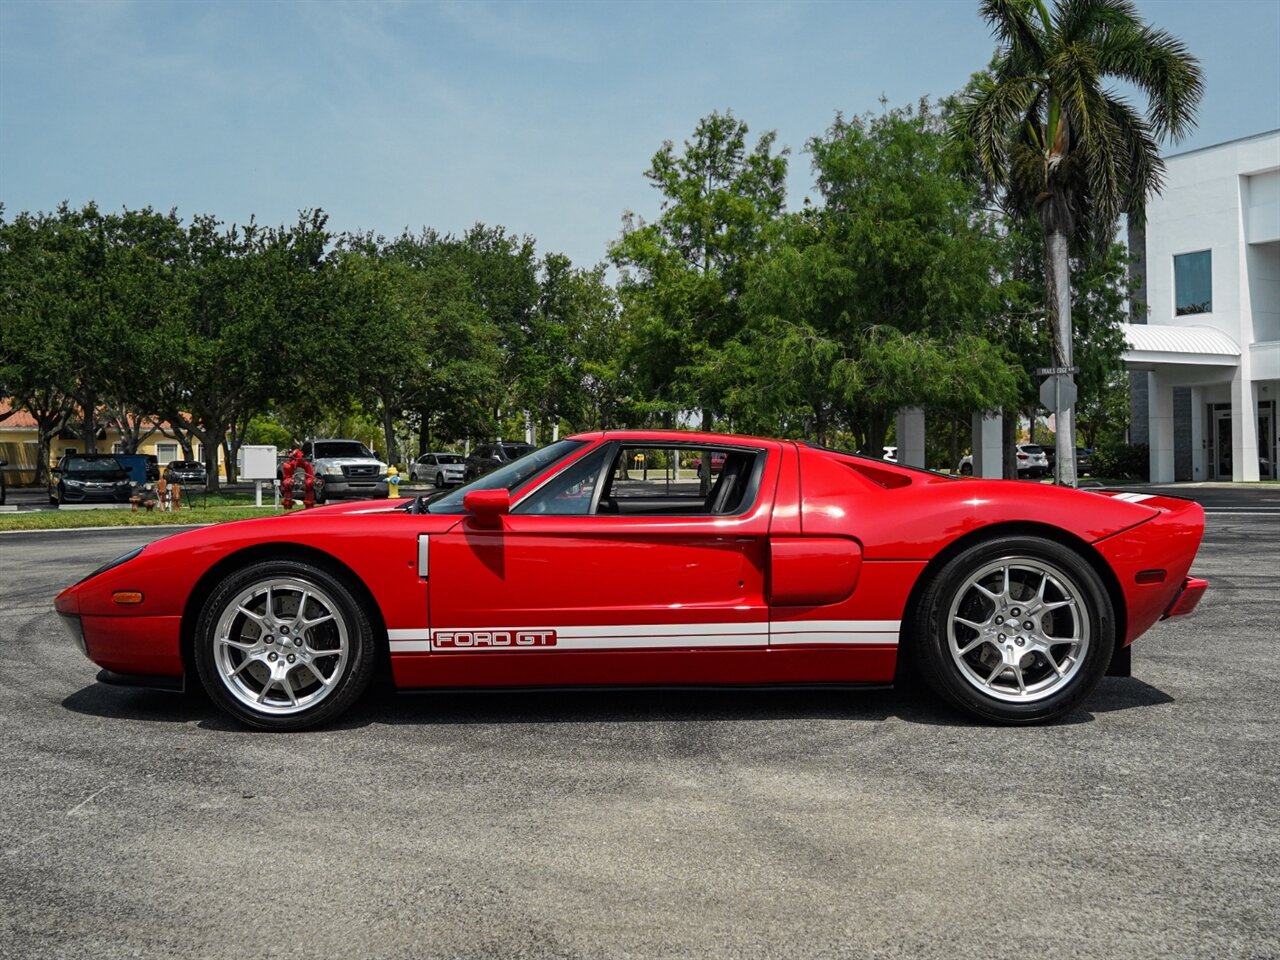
{"points": [[1014, 630], [439, 480], [242, 645]]}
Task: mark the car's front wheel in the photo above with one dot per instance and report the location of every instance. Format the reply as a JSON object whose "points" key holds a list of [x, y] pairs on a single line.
{"points": [[1016, 629], [439, 480], [283, 645]]}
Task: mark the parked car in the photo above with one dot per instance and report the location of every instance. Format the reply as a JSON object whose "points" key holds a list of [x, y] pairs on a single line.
{"points": [[490, 456], [1030, 458], [1084, 460], [89, 478], [717, 463], [186, 472], [345, 468], [799, 565], [441, 469]]}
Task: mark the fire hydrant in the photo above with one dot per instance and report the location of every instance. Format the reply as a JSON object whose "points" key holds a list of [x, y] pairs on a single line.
{"points": [[393, 482]]}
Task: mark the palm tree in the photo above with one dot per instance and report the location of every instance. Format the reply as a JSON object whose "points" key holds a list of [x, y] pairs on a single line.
{"points": [[1042, 128]]}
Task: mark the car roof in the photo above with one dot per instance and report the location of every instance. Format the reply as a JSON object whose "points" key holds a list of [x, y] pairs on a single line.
{"points": [[677, 437]]}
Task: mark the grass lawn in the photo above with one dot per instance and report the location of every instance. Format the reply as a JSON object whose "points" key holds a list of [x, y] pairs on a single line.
{"points": [[71, 519], [196, 508]]}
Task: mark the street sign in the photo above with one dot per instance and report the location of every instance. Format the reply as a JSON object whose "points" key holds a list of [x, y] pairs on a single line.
{"points": [[1058, 392], [1050, 371]]}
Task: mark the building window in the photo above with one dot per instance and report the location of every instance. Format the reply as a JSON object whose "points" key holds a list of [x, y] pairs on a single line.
{"points": [[1193, 283]]}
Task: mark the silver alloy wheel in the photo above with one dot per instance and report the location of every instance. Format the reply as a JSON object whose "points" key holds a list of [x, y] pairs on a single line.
{"points": [[281, 646], [1018, 629]]}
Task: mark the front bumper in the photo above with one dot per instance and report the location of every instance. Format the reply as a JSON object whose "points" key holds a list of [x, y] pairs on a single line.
{"points": [[345, 487], [96, 494], [125, 644]]}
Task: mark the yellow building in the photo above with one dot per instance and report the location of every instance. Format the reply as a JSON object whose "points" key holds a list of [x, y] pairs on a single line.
{"points": [[19, 444]]}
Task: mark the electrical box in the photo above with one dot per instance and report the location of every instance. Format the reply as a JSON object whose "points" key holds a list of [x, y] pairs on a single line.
{"points": [[259, 462]]}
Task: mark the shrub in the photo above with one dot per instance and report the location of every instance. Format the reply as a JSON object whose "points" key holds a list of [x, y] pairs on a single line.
{"points": [[1122, 461]]}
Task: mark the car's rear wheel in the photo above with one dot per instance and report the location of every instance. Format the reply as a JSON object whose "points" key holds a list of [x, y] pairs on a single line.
{"points": [[283, 645], [1015, 630]]}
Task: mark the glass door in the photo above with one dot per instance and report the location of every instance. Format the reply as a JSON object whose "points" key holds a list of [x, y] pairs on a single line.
{"points": [[1221, 465], [1266, 444]]}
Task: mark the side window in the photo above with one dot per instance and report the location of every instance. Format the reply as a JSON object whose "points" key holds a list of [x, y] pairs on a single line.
{"points": [[681, 481], [573, 492], [1193, 283]]}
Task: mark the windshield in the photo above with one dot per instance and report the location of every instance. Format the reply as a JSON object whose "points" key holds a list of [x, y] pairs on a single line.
{"points": [[343, 448], [186, 464], [448, 458], [509, 477], [100, 465]]}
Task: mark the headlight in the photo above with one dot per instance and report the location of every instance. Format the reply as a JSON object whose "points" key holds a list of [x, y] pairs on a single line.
{"points": [[110, 564], [333, 470], [70, 482]]}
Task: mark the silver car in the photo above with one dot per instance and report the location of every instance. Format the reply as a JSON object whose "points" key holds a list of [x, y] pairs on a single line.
{"points": [[442, 469]]}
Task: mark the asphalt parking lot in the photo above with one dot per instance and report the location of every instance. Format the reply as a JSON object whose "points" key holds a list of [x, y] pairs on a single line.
{"points": [[649, 824]]}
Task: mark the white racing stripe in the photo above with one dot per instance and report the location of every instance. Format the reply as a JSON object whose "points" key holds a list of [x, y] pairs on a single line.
{"points": [[1133, 497], [656, 636]]}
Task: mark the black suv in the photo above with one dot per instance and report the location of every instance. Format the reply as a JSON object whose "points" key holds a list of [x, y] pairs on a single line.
{"points": [[490, 456], [186, 471], [89, 478]]}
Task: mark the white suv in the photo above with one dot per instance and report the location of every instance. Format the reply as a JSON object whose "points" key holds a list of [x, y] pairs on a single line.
{"points": [[442, 469], [1031, 459]]}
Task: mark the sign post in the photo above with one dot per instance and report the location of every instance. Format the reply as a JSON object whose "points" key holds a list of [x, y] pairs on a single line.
{"points": [[259, 464], [1058, 393]]}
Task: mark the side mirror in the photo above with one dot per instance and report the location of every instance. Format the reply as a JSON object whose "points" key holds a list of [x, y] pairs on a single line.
{"points": [[488, 506]]}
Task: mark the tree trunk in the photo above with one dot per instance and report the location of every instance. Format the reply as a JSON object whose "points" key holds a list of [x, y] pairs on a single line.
{"points": [[89, 426], [389, 433], [1009, 446], [210, 442], [424, 433], [878, 427], [1058, 292], [704, 470]]}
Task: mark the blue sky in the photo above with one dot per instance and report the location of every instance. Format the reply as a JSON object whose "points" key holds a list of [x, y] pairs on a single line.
{"points": [[538, 116]]}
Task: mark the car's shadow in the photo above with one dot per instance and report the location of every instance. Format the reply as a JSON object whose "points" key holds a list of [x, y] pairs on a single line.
{"points": [[381, 705]]}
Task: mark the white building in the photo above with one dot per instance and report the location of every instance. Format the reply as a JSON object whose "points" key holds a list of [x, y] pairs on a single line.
{"points": [[1205, 365]]}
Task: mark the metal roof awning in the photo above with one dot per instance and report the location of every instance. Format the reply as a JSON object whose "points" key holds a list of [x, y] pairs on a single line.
{"points": [[1150, 344]]}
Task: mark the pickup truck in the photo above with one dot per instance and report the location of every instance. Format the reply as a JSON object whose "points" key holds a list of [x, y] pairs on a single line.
{"points": [[345, 468]]}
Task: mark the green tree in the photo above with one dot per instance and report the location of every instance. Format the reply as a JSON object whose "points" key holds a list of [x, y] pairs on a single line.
{"points": [[881, 296], [36, 304], [683, 275], [1045, 131]]}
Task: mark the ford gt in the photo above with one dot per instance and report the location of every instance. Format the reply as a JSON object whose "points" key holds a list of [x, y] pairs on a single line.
{"points": [[604, 560]]}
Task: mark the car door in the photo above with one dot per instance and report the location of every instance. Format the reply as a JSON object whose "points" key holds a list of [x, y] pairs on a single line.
{"points": [[602, 597]]}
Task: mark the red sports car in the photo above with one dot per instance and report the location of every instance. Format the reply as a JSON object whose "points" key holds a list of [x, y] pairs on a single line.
{"points": [[794, 565]]}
